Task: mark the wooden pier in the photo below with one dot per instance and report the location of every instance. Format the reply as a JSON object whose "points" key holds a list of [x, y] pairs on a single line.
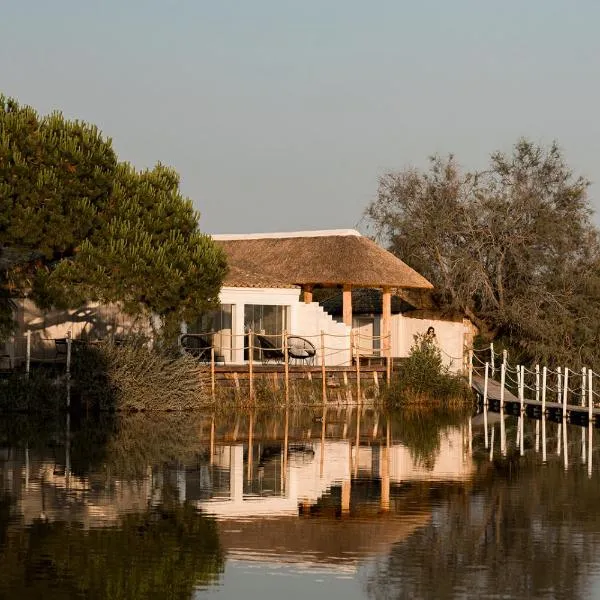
{"points": [[553, 411]]}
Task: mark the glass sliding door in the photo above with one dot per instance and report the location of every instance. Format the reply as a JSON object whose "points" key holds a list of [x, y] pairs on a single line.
{"points": [[269, 320], [218, 326]]}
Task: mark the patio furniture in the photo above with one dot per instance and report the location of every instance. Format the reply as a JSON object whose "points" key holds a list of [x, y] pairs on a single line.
{"points": [[269, 352], [301, 350], [199, 346]]}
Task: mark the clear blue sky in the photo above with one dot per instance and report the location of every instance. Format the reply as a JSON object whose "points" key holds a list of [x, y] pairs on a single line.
{"points": [[282, 115]]}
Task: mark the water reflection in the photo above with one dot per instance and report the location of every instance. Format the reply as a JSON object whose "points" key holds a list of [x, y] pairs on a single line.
{"points": [[414, 504]]}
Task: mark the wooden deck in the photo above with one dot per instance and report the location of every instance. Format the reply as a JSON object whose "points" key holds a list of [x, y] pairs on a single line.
{"points": [[576, 414], [338, 376]]}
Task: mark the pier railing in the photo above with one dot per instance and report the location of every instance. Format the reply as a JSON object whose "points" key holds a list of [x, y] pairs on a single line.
{"points": [[562, 385]]}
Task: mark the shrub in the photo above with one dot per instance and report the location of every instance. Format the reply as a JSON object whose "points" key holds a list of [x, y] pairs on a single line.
{"points": [[132, 376], [423, 377]]}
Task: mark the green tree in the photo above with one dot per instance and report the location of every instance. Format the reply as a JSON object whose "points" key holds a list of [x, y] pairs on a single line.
{"points": [[76, 224], [512, 246]]}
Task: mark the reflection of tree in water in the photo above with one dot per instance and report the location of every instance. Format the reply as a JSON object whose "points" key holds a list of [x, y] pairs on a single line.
{"points": [[421, 430], [524, 532], [164, 552]]}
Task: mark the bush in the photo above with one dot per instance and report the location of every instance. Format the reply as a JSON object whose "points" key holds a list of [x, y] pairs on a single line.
{"points": [[423, 377], [132, 376]]}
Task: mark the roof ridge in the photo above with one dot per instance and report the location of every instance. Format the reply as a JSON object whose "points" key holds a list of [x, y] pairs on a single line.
{"points": [[287, 234]]}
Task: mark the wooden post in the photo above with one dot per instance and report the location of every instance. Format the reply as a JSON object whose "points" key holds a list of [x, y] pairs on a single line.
{"points": [[28, 352], [386, 320], [565, 392], [492, 358], [323, 371], [357, 374], [250, 446], [286, 367], [347, 304], [212, 439], [284, 462], [212, 371], [308, 293], [388, 370], [323, 432], [537, 383], [251, 363]]}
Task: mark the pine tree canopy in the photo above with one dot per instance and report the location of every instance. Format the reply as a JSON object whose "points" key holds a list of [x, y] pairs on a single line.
{"points": [[78, 225]]}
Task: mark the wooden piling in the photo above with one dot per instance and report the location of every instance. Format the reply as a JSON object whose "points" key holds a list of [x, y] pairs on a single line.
{"points": [[286, 366], [251, 364], [323, 370], [212, 371]]}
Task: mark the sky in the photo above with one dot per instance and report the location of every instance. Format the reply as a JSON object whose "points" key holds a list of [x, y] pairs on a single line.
{"points": [[282, 115]]}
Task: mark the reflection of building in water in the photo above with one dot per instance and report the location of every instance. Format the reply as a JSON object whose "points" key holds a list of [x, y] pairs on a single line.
{"points": [[280, 486], [239, 480]]}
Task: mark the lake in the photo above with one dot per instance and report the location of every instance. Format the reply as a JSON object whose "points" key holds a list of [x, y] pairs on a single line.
{"points": [[345, 503]]}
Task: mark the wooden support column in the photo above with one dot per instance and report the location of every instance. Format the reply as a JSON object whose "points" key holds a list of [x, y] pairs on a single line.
{"points": [[347, 304], [386, 321], [307, 291]]}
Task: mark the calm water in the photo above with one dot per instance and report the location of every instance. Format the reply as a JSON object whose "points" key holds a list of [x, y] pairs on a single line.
{"points": [[304, 504]]}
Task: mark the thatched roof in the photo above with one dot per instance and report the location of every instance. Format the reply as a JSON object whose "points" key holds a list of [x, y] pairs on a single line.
{"points": [[329, 258], [318, 540]]}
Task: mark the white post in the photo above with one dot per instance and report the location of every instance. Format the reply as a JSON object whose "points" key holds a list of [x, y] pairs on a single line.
{"points": [[537, 399], [522, 438], [492, 358], [522, 388], [583, 385], [485, 403], [505, 356], [470, 368], [544, 376], [590, 396], [565, 446], [544, 454], [502, 384], [565, 392], [485, 385], [559, 385], [28, 352]]}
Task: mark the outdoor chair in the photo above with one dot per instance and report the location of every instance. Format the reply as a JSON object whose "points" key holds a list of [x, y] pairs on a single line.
{"points": [[301, 350], [268, 350], [199, 347]]}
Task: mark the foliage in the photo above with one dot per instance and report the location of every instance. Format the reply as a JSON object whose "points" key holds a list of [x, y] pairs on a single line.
{"points": [[132, 376], [423, 377], [41, 392], [164, 552], [512, 246], [78, 225]]}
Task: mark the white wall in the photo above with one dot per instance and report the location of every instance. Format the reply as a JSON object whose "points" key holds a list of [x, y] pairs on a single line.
{"points": [[450, 337], [305, 320]]}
